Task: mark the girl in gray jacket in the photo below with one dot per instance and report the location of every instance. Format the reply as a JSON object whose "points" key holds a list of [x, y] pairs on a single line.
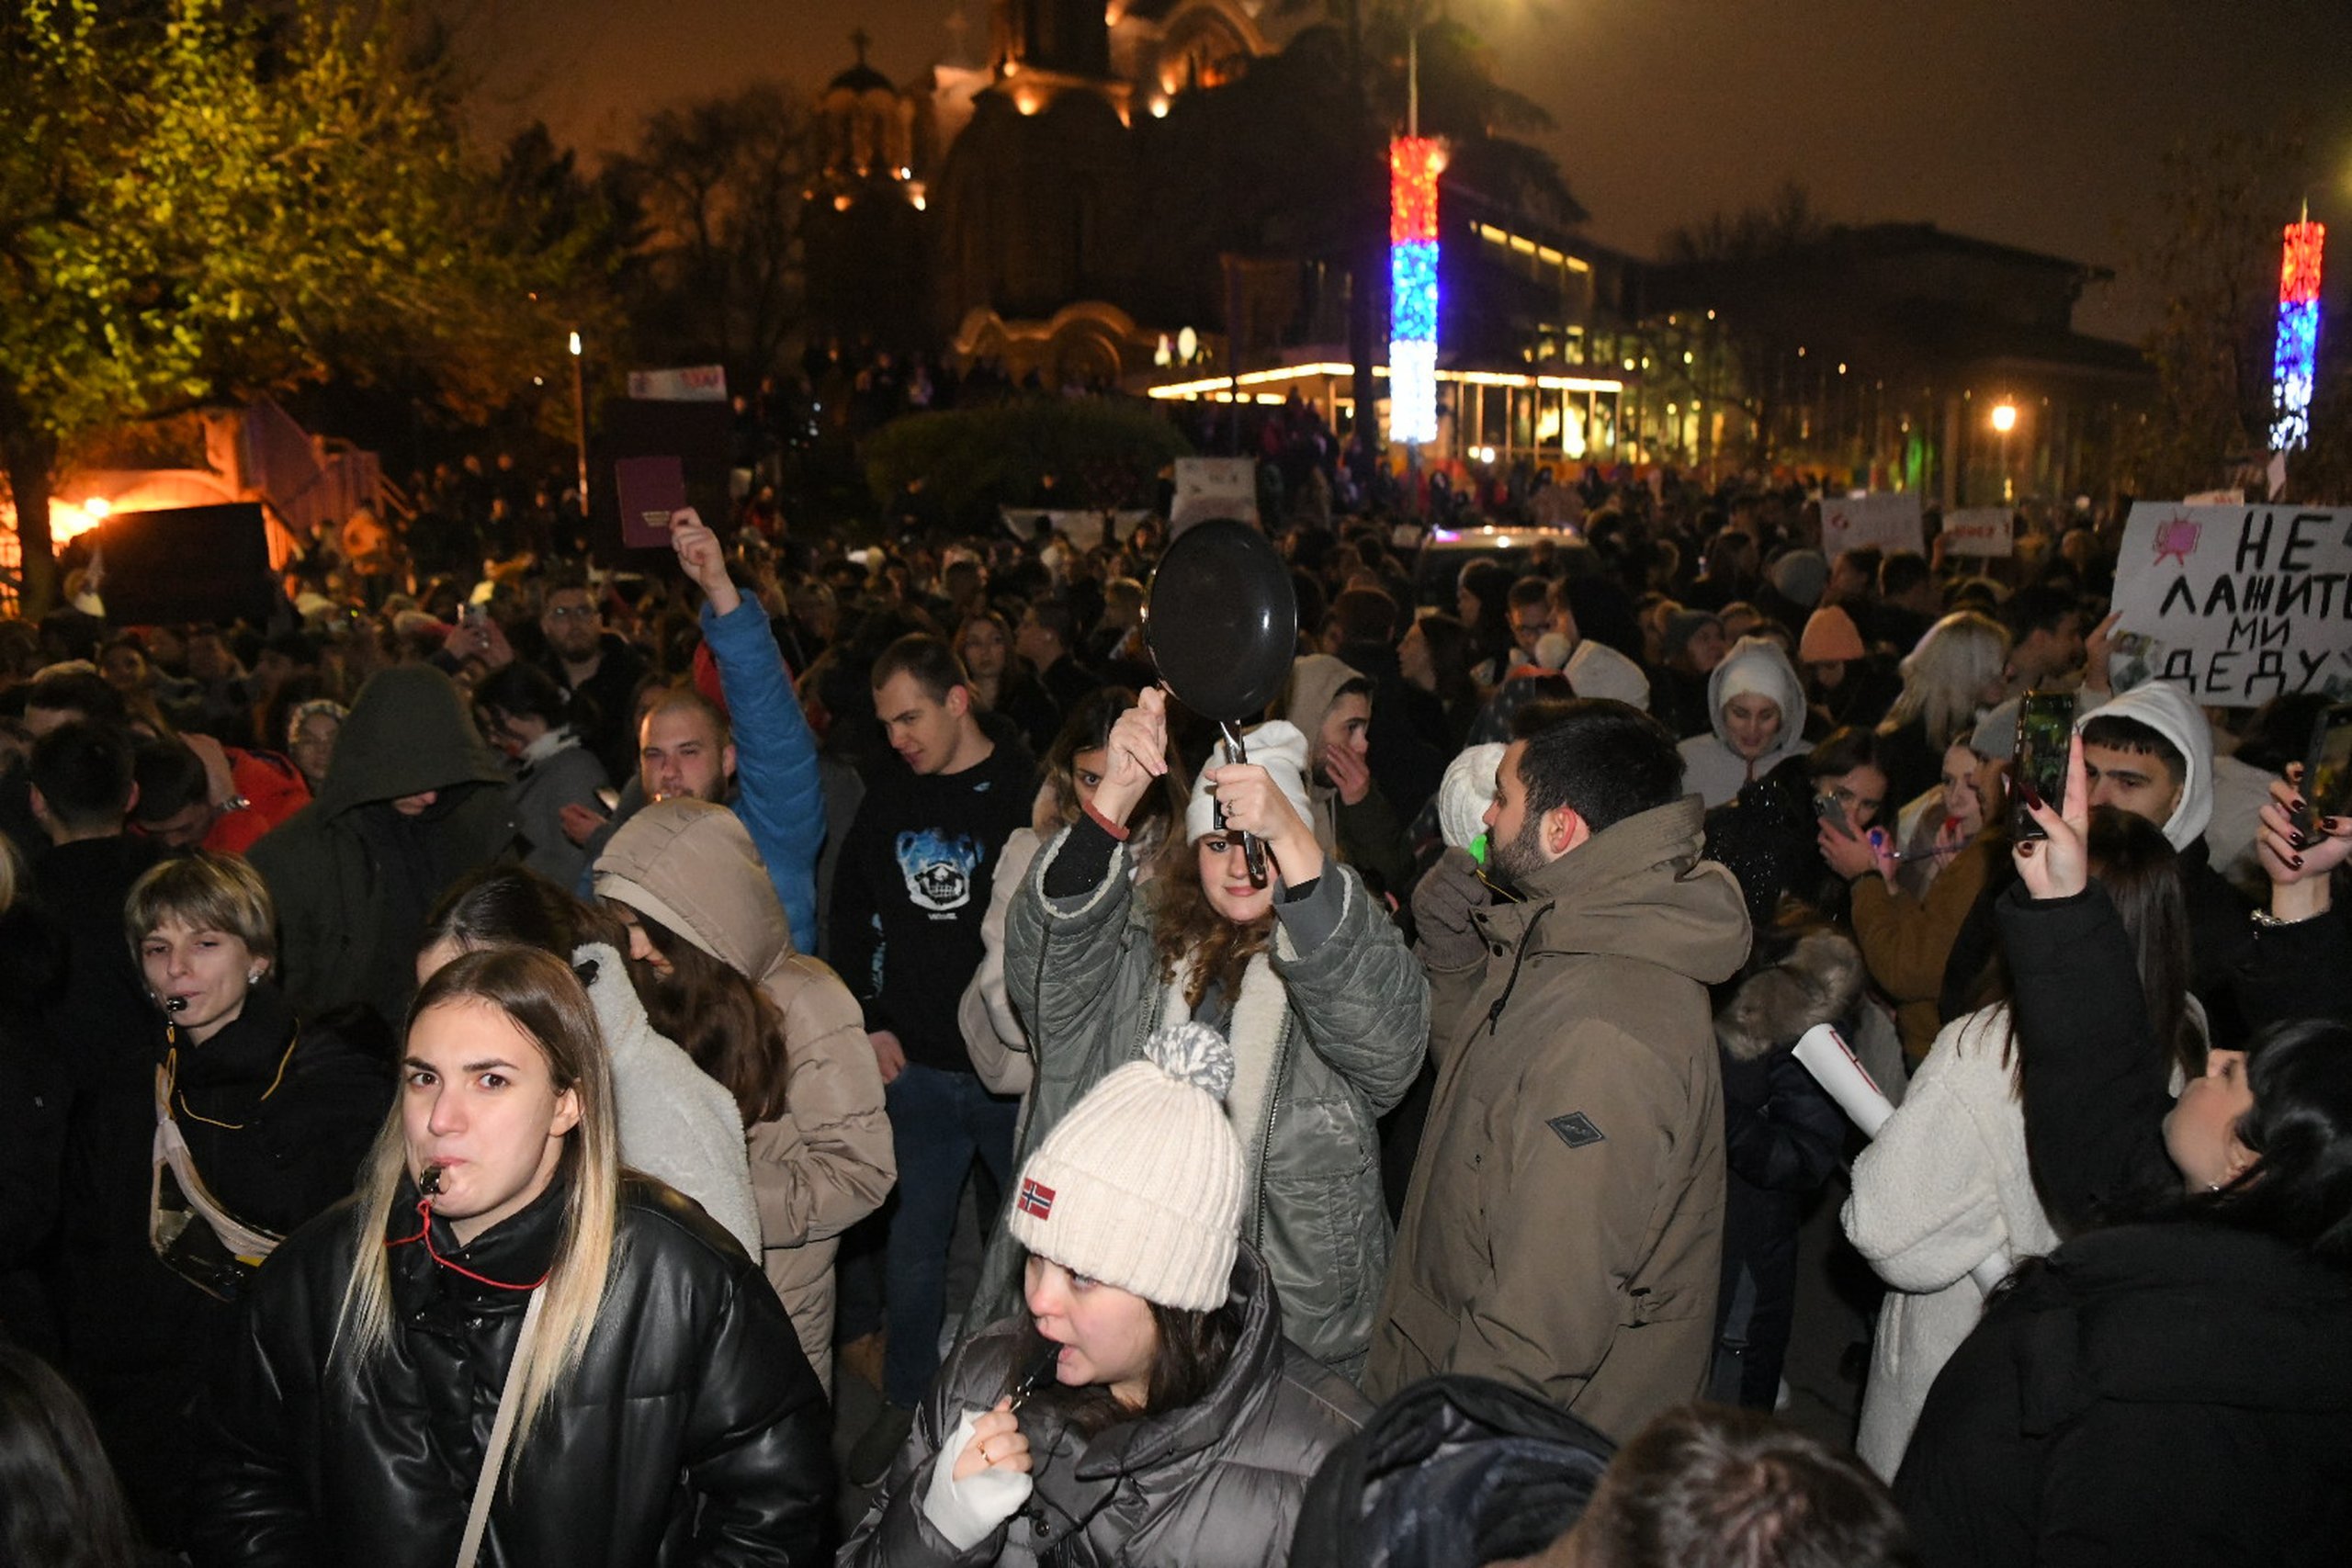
{"points": [[1325, 1008], [1144, 1408]]}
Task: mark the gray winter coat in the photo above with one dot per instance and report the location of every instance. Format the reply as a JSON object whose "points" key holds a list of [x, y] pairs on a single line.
{"points": [[1324, 1041], [1217, 1484]]}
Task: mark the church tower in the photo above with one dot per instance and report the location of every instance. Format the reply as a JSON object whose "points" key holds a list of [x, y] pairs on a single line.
{"points": [[1069, 38]]}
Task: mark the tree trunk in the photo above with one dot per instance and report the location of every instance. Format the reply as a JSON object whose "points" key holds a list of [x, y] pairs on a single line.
{"points": [[30, 457]]}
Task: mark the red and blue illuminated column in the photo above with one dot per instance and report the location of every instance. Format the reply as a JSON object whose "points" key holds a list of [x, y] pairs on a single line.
{"points": [[1414, 163], [2292, 362]]}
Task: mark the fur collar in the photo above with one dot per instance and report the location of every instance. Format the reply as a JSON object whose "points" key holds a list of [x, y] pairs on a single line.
{"points": [[1258, 1017], [1816, 983]]}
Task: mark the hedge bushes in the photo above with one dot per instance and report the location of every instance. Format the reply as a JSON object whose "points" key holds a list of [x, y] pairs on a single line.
{"points": [[1099, 452]]}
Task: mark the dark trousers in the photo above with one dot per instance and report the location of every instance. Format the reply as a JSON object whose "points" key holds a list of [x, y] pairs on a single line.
{"points": [[939, 1122]]}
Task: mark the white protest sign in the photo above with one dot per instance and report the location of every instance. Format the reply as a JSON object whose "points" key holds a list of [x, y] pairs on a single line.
{"points": [[1083, 529], [1214, 487], [686, 384], [1979, 531], [2239, 603], [1883, 521]]}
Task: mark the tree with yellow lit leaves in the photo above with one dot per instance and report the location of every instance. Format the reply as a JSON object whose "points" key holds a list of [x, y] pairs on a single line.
{"points": [[200, 200]]}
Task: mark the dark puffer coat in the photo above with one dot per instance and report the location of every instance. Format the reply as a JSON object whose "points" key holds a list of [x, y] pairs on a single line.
{"points": [[2155, 1394], [692, 1431], [1217, 1484]]}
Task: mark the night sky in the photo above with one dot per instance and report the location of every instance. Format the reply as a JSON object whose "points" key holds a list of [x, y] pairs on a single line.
{"points": [[2037, 125]]}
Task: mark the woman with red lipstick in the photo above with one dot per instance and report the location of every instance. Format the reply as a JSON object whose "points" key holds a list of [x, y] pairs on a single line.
{"points": [[1144, 1408], [506, 1348]]}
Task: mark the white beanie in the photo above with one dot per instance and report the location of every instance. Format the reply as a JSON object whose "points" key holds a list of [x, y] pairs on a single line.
{"points": [[1599, 670], [1140, 1185], [1276, 746], [1467, 789]]}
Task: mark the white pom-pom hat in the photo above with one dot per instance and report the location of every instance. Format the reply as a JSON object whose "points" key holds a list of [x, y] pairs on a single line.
{"points": [[1140, 1185]]}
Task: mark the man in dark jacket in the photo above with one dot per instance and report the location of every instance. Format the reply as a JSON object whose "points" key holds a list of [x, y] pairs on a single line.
{"points": [[415, 800], [596, 668], [1564, 1228], [908, 901]]}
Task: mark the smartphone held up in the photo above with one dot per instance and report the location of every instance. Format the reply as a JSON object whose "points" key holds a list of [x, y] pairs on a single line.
{"points": [[2045, 726]]}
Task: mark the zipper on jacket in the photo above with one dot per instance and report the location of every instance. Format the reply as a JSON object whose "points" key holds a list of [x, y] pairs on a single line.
{"points": [[1273, 1105], [1510, 982]]}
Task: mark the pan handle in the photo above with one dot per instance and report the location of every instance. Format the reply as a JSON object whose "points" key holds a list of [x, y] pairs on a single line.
{"points": [[1253, 849]]}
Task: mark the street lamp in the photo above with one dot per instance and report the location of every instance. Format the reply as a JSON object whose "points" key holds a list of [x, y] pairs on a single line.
{"points": [[579, 419], [2005, 419]]}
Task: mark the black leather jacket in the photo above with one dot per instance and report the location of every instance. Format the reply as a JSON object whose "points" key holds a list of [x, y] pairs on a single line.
{"points": [[691, 1432]]}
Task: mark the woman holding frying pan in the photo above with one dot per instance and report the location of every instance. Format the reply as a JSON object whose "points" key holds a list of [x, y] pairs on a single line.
{"points": [[1325, 1006]]}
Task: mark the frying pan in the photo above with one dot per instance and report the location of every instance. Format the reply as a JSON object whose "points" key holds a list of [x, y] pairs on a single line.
{"points": [[1222, 625]]}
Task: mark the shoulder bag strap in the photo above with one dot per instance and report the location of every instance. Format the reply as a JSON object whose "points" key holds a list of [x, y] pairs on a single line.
{"points": [[502, 1434]]}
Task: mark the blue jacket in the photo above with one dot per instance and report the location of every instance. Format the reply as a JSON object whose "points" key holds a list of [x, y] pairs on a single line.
{"points": [[777, 791]]}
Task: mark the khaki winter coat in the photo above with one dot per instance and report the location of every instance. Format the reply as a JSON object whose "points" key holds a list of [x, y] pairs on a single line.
{"points": [[1563, 1229], [828, 1162]]}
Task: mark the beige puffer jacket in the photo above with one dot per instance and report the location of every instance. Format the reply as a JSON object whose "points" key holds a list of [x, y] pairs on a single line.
{"points": [[828, 1161]]}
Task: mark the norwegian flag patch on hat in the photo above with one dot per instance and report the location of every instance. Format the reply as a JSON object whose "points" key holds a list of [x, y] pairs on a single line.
{"points": [[1035, 1200]]}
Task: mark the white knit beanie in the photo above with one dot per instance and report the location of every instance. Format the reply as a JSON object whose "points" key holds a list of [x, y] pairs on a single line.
{"points": [[1467, 789], [1140, 1185], [1277, 747]]}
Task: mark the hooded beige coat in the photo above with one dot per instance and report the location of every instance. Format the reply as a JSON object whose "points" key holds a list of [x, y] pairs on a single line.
{"points": [[828, 1161]]}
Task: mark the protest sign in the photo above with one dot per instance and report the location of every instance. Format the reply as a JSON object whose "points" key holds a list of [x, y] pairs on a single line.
{"points": [[1214, 487], [686, 384], [2238, 603], [1886, 521], [1083, 529], [1979, 531]]}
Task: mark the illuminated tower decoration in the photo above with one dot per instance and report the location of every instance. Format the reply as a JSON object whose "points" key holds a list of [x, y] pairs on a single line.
{"points": [[1414, 163], [2291, 364]]}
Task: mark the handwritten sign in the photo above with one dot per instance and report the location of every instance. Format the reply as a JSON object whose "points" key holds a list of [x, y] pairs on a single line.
{"points": [[1979, 531], [2239, 603], [1882, 520]]}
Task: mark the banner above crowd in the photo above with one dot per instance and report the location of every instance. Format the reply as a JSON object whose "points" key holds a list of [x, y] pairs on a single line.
{"points": [[1887, 521], [2238, 603]]}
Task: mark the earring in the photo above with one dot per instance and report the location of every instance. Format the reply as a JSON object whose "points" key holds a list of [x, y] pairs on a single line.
{"points": [[254, 977]]}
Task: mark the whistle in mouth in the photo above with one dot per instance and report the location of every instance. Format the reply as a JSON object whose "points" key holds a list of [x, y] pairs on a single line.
{"points": [[430, 1182], [176, 1004]]}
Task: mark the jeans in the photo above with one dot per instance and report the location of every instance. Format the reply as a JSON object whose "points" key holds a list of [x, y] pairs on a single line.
{"points": [[939, 1121]]}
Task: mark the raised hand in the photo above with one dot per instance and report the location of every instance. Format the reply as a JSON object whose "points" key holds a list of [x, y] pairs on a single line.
{"points": [[1137, 753], [2058, 866], [703, 559]]}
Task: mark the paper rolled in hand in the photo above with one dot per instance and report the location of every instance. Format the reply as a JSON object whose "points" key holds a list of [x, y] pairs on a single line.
{"points": [[1840, 1074]]}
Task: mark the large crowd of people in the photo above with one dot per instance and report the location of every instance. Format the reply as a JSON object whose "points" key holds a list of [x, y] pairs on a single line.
{"points": [[496, 1062]]}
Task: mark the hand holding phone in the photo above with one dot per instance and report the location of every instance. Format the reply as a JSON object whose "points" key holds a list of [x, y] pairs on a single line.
{"points": [[2045, 730], [2055, 863]]}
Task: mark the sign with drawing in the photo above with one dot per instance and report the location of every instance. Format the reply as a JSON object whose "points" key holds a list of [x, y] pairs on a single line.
{"points": [[2237, 603]]}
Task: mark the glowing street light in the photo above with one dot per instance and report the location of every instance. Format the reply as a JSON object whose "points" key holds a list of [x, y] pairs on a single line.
{"points": [[580, 417], [2005, 419]]}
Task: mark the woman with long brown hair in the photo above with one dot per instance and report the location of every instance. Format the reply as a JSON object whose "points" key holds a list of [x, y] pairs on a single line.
{"points": [[712, 959], [503, 1314], [1326, 1009]]}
